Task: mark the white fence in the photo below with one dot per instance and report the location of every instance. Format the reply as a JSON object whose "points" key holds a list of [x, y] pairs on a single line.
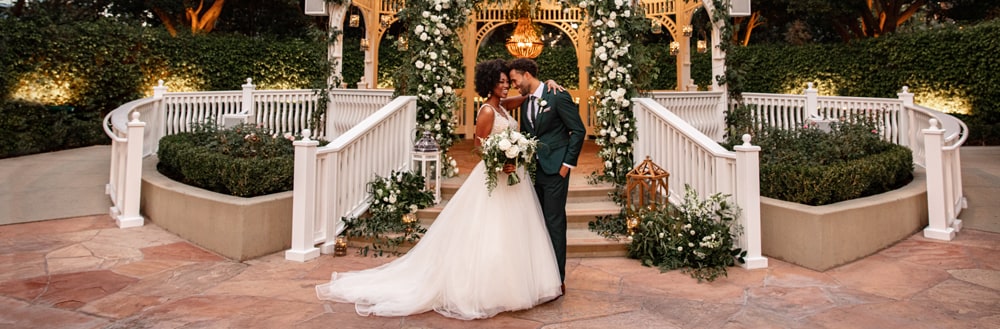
{"points": [[168, 113], [936, 148], [701, 110]]}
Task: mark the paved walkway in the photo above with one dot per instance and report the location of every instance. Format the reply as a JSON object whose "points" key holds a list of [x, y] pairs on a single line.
{"points": [[83, 272]]}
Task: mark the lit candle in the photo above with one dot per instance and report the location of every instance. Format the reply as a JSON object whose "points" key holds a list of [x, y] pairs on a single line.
{"points": [[340, 246]]}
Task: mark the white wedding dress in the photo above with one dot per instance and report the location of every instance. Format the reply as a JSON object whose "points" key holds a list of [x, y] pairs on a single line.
{"points": [[484, 254]]}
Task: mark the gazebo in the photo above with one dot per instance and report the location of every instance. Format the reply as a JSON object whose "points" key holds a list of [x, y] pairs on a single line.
{"points": [[672, 16]]}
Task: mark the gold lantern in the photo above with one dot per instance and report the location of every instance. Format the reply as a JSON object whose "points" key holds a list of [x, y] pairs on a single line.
{"points": [[403, 44], [354, 21], [687, 30], [385, 21], [702, 46], [675, 48], [646, 188], [364, 44], [340, 246], [409, 219], [656, 27]]}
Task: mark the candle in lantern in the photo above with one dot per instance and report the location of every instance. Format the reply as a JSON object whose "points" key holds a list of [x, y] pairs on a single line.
{"points": [[340, 246]]}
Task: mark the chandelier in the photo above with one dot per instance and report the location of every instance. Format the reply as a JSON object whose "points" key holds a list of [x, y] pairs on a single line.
{"points": [[524, 43]]}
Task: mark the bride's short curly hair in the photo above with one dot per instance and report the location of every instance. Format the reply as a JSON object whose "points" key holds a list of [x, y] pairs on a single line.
{"points": [[488, 75]]}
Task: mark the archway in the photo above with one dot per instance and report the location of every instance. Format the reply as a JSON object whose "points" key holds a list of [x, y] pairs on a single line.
{"points": [[379, 15]]}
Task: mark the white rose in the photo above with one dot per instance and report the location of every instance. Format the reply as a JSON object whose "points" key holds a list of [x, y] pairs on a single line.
{"points": [[512, 152], [425, 14], [433, 55], [419, 29], [514, 135], [419, 64], [504, 145], [424, 37]]}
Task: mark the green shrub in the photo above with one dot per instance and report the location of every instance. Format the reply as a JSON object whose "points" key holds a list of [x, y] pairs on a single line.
{"points": [[244, 161], [814, 167], [29, 128]]}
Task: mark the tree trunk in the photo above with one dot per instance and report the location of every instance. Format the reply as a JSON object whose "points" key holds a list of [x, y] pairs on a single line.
{"points": [[204, 22]]}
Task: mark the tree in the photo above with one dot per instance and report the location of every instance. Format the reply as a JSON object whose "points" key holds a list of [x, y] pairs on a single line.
{"points": [[172, 14]]}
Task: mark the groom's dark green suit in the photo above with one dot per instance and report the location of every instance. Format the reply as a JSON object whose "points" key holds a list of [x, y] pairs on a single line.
{"points": [[560, 133]]}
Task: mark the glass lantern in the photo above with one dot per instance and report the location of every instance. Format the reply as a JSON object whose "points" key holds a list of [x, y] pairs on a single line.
{"points": [[645, 190], [427, 163], [340, 246]]}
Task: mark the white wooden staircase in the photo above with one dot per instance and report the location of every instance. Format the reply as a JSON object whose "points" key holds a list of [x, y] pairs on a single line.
{"points": [[585, 203]]}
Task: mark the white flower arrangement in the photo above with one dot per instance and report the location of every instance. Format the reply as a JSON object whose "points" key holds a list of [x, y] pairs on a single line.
{"points": [[435, 54], [613, 24], [508, 146]]}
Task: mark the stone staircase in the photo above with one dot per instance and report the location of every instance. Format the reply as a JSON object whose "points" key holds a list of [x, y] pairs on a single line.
{"points": [[585, 203]]}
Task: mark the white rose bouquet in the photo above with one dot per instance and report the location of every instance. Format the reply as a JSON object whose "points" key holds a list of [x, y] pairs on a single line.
{"points": [[508, 146]]}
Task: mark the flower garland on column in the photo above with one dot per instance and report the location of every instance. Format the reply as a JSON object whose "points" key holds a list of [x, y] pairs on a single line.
{"points": [[614, 26], [436, 62]]}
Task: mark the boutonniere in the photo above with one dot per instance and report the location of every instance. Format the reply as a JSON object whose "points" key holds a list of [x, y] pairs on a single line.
{"points": [[542, 103]]}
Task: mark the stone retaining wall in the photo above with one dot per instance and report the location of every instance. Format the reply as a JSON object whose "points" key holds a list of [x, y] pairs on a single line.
{"points": [[234, 227], [823, 237]]}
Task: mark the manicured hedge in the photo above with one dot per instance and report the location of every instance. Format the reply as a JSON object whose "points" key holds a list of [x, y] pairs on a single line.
{"points": [[30, 128], [814, 167], [242, 161], [957, 64]]}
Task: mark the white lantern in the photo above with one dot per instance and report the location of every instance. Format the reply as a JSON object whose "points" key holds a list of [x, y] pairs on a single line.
{"points": [[427, 163]]}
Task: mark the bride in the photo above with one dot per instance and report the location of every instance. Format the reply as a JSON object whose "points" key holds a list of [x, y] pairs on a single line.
{"points": [[484, 254]]}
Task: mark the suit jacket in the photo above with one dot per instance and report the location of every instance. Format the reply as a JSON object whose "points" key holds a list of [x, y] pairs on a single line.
{"points": [[559, 130]]}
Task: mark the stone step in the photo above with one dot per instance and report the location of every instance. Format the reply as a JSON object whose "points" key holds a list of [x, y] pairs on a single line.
{"points": [[580, 243], [579, 189], [578, 214], [584, 204]]}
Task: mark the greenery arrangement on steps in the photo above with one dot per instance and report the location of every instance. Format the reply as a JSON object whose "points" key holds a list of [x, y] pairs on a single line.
{"points": [[245, 160], [697, 237], [383, 227]]}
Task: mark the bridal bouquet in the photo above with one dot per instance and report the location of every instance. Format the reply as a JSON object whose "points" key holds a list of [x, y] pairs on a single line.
{"points": [[508, 146]]}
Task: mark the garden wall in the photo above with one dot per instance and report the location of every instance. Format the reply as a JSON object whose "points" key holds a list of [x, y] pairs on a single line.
{"points": [[823, 237], [234, 227]]}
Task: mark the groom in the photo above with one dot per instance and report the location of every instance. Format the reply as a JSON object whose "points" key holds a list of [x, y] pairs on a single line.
{"points": [[553, 118]]}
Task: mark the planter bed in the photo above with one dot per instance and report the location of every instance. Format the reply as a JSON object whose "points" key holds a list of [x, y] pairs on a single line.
{"points": [[823, 237], [234, 227]]}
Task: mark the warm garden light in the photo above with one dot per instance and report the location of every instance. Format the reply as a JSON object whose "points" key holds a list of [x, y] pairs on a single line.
{"points": [[702, 46], [385, 20], [525, 42], [687, 30], [675, 48], [355, 20]]}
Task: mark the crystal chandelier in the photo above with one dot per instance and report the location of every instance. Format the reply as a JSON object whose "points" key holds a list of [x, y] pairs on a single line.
{"points": [[524, 43]]}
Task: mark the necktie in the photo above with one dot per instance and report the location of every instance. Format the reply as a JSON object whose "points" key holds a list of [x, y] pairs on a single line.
{"points": [[531, 110]]}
